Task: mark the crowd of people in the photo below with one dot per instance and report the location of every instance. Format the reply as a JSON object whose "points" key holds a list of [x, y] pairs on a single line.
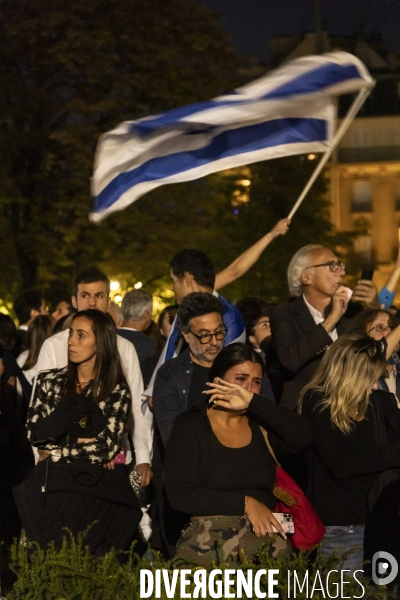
{"points": [[159, 431]]}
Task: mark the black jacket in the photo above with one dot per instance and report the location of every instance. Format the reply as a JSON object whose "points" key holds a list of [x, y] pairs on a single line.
{"points": [[144, 345], [170, 394], [299, 345]]}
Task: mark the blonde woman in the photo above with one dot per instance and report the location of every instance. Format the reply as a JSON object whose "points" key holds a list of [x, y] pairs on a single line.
{"points": [[357, 438]]}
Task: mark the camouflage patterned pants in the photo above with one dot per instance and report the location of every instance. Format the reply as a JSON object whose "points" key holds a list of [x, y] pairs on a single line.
{"points": [[223, 540]]}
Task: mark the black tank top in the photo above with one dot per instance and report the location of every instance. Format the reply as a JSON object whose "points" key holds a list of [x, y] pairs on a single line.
{"points": [[249, 469]]}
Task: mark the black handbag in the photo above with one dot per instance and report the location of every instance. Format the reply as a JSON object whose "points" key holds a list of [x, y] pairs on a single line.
{"points": [[90, 486]]}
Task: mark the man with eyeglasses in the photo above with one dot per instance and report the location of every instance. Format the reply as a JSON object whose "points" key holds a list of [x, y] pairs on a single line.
{"points": [[180, 381], [303, 329]]}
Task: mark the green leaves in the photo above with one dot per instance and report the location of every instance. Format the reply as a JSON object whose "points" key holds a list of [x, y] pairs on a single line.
{"points": [[71, 573]]}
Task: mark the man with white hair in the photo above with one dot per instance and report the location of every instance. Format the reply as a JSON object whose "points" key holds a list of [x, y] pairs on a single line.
{"points": [[303, 329], [137, 307]]}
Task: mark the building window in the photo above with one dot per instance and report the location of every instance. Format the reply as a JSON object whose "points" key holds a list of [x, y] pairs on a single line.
{"points": [[361, 138], [362, 197]]}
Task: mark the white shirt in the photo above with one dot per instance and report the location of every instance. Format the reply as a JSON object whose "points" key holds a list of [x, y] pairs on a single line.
{"points": [[54, 355], [319, 318]]}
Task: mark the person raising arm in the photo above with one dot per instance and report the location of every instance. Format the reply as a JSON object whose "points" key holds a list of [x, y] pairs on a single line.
{"points": [[245, 261]]}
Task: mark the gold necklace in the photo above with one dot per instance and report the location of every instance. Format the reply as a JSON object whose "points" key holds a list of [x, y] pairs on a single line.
{"points": [[82, 385]]}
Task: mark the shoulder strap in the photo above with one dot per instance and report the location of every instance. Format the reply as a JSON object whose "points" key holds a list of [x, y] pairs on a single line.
{"points": [[278, 492], [265, 434]]}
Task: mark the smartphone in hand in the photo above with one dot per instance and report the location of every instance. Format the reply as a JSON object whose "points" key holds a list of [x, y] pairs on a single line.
{"points": [[367, 273]]}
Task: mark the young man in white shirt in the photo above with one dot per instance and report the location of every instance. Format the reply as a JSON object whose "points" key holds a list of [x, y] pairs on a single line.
{"points": [[91, 290]]}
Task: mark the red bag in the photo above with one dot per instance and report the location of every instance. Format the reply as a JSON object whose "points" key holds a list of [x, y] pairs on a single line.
{"points": [[308, 527]]}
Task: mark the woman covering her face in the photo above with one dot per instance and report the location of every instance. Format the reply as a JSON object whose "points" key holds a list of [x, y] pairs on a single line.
{"points": [[218, 468], [77, 419]]}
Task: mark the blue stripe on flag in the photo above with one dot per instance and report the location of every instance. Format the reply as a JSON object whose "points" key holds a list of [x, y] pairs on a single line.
{"points": [[174, 115], [306, 83], [314, 81], [228, 143]]}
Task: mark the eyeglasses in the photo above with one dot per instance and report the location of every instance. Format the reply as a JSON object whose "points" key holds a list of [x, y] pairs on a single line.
{"points": [[380, 328], [332, 264], [205, 338]]}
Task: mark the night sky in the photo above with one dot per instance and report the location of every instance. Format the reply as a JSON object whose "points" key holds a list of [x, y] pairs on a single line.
{"points": [[250, 23]]}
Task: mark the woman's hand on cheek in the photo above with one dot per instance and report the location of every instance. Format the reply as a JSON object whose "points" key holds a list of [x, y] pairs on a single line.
{"points": [[228, 395]]}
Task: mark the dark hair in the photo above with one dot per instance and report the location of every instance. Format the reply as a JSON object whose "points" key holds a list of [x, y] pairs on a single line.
{"points": [[197, 263], [252, 309], [25, 302], [231, 355], [91, 275], [70, 308], [107, 369], [197, 304], [364, 319], [171, 311], [395, 317], [8, 332], [39, 330]]}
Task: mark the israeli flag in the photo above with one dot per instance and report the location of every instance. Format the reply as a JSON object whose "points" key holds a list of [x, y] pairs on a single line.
{"points": [[292, 110]]}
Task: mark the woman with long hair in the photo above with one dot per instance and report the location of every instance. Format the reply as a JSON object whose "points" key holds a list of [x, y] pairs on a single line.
{"points": [[356, 440], [217, 462], [40, 328], [76, 421]]}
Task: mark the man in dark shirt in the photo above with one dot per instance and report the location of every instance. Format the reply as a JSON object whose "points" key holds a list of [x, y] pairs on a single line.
{"points": [[180, 381], [136, 310]]}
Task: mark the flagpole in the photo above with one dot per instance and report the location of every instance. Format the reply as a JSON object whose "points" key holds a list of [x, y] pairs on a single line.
{"points": [[353, 110]]}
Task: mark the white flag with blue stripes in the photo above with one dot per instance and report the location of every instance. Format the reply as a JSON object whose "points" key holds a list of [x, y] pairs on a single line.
{"points": [[291, 110]]}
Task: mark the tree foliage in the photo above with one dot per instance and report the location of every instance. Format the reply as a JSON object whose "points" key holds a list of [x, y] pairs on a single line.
{"points": [[70, 70]]}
